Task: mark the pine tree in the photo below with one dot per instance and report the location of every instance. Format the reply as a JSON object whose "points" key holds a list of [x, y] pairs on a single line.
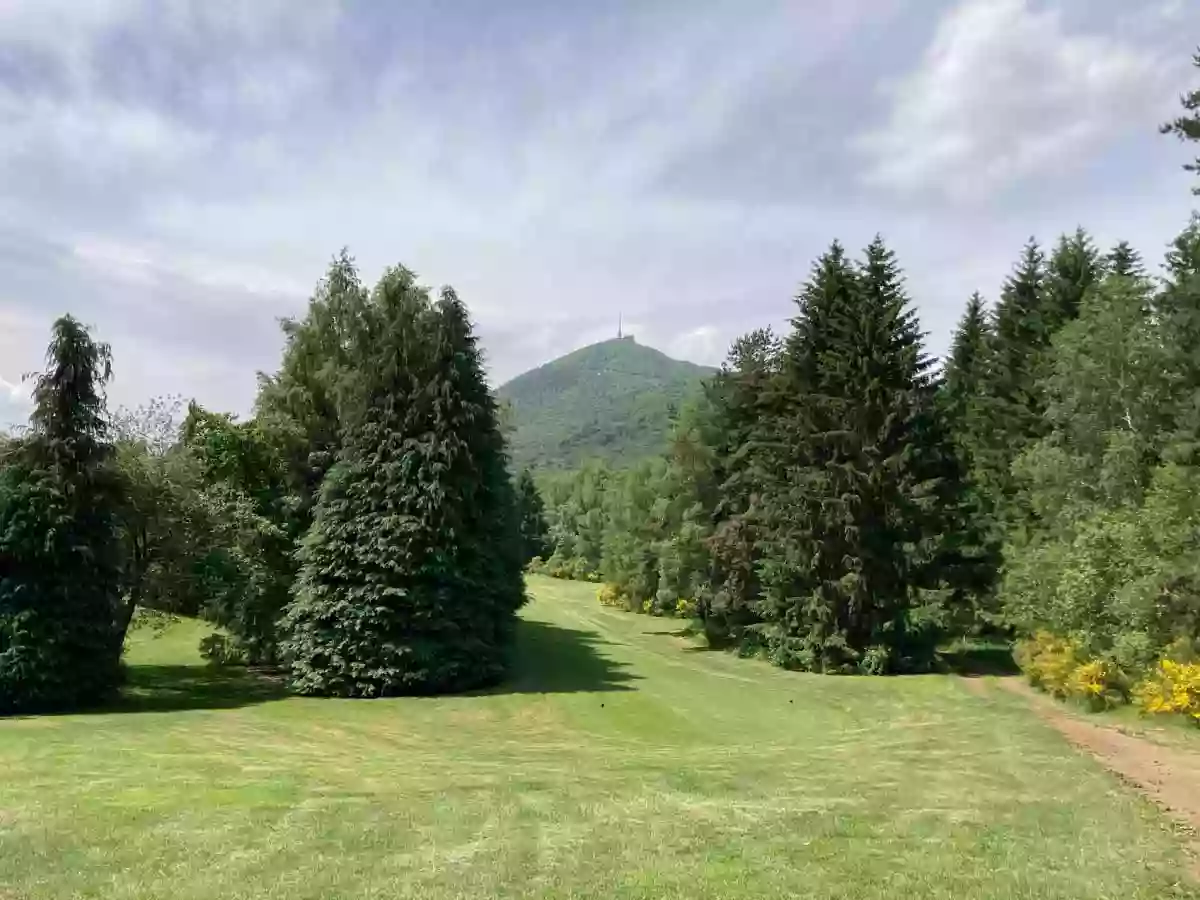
{"points": [[532, 513], [411, 573], [1126, 262], [1074, 269], [745, 408], [59, 557], [1187, 127], [858, 547], [966, 368]]}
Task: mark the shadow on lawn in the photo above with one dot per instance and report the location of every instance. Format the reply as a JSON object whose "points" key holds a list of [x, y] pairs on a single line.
{"points": [[980, 660], [550, 659], [173, 688]]}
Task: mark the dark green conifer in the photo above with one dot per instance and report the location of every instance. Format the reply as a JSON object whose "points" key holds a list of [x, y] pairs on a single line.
{"points": [[411, 574], [60, 645]]}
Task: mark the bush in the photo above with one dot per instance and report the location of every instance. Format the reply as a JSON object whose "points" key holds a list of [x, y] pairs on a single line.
{"points": [[220, 650], [1048, 661], [686, 608], [1173, 689], [610, 595], [536, 566]]}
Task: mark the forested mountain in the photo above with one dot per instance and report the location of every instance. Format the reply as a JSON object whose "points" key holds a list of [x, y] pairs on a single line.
{"points": [[612, 401]]}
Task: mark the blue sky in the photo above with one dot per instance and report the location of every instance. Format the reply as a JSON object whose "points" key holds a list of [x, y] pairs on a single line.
{"points": [[178, 174]]}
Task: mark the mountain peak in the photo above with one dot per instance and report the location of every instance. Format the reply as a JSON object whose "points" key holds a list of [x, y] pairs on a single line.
{"points": [[613, 400]]}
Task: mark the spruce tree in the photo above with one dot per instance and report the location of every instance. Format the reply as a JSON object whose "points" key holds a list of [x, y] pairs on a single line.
{"points": [[1074, 268], [745, 408], [411, 572], [532, 512], [60, 644], [1125, 261], [965, 376], [859, 544]]}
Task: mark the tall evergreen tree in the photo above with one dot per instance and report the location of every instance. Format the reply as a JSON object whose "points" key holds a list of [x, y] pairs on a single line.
{"points": [[1125, 261], [1187, 126], [1074, 268], [858, 547], [532, 512], [744, 408], [60, 638], [411, 574], [965, 377]]}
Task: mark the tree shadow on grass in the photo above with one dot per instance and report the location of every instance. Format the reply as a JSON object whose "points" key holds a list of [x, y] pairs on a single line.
{"points": [[175, 688], [979, 661], [550, 659]]}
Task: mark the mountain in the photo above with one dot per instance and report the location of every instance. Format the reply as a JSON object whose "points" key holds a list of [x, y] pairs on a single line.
{"points": [[612, 400]]}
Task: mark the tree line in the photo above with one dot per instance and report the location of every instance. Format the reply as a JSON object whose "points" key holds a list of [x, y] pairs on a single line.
{"points": [[836, 502], [833, 501]]}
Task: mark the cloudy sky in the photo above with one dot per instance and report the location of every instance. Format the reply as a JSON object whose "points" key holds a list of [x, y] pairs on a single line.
{"points": [[178, 174]]}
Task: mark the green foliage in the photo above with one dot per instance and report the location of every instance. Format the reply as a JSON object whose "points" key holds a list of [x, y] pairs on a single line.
{"points": [[1187, 126], [859, 524], [612, 401], [62, 620], [532, 515], [411, 573], [245, 571]]}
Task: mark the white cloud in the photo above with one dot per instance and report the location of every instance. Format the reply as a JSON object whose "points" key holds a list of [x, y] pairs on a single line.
{"points": [[1005, 91]]}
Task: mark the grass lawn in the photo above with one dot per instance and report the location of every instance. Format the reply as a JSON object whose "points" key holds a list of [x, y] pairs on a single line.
{"points": [[619, 762]]}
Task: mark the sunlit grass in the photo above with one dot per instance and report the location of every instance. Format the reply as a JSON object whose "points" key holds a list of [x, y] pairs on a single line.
{"points": [[618, 762]]}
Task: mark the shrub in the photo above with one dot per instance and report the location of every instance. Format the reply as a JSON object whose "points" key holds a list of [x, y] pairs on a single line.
{"points": [[535, 566], [610, 595], [1048, 661], [220, 650], [685, 608], [1173, 688]]}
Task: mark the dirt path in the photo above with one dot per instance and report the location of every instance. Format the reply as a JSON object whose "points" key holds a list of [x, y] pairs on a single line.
{"points": [[1167, 775]]}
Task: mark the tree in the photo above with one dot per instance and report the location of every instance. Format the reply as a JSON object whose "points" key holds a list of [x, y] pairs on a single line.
{"points": [[299, 405], [1187, 127], [1074, 268], [744, 407], [855, 563], [1125, 261], [532, 512], [411, 572], [245, 574], [60, 603]]}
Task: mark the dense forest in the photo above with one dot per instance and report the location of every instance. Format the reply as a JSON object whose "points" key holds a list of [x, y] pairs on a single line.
{"points": [[836, 502], [832, 500]]}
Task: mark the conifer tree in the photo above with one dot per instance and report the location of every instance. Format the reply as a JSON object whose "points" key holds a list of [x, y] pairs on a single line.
{"points": [[1125, 261], [1074, 268], [60, 644], [411, 573], [532, 512], [858, 545]]}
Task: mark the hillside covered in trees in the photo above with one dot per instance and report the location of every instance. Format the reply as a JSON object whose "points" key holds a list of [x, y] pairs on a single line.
{"points": [[612, 401]]}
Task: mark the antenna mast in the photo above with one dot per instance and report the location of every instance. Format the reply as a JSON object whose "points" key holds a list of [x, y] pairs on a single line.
{"points": [[620, 326]]}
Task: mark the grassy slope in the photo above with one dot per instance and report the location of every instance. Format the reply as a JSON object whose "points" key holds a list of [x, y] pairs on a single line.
{"points": [[619, 763], [611, 400]]}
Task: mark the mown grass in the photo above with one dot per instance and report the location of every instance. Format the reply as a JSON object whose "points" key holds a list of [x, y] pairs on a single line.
{"points": [[614, 764]]}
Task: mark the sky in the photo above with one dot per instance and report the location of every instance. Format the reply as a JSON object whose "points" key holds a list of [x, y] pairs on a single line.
{"points": [[178, 173]]}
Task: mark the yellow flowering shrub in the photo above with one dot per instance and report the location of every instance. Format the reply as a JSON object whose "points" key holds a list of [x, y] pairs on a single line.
{"points": [[1049, 662], [1173, 688], [610, 595], [647, 606], [685, 608]]}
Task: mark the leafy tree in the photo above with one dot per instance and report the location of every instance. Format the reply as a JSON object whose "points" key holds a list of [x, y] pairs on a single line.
{"points": [[411, 573], [1187, 127], [532, 512], [61, 611]]}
